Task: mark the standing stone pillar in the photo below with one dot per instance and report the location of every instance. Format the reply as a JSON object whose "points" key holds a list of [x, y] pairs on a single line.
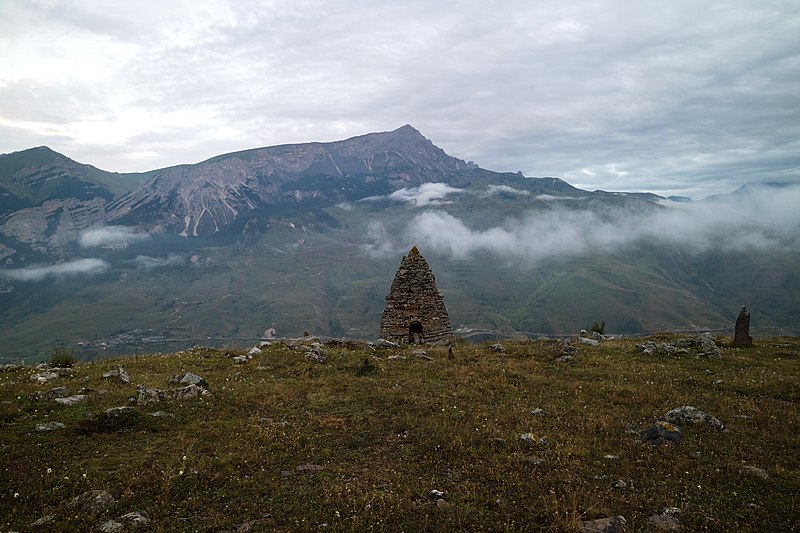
{"points": [[741, 335]]}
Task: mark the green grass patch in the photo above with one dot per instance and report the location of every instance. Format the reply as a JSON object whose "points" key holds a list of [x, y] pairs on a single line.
{"points": [[358, 443]]}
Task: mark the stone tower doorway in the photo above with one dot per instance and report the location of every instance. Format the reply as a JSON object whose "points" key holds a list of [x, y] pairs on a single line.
{"points": [[415, 333]]}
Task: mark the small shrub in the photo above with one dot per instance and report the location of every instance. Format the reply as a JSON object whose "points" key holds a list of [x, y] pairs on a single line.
{"points": [[598, 327], [63, 358]]}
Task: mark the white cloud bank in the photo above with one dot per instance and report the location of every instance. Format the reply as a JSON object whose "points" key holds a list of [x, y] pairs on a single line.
{"points": [[110, 236], [760, 220], [422, 196], [146, 262], [87, 267]]}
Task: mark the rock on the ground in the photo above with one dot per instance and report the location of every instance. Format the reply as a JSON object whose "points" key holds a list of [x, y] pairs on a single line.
{"points": [[44, 521], [147, 395], [43, 377], [254, 351], [687, 413], [754, 471], [589, 342], [661, 433], [111, 526], [95, 502], [71, 400], [120, 373], [497, 348], [57, 392], [383, 343], [187, 378], [665, 522], [50, 426], [136, 519], [612, 524]]}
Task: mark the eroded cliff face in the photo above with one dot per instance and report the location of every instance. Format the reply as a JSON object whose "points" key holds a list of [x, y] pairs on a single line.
{"points": [[204, 199]]}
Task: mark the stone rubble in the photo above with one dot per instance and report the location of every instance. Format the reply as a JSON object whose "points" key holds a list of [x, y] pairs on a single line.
{"points": [[612, 524], [120, 373]]}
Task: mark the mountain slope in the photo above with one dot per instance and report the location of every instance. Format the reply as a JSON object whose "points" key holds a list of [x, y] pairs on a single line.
{"points": [[308, 236]]}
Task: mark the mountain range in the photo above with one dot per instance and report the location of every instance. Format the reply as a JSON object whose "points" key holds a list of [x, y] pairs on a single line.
{"points": [[306, 238]]}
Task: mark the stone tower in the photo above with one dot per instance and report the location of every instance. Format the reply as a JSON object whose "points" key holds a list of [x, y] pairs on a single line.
{"points": [[415, 311]]}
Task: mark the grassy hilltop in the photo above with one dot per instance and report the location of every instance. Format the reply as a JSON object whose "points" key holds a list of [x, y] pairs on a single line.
{"points": [[284, 443]]}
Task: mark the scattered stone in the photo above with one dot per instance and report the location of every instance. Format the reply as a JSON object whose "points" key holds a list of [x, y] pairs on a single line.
{"points": [[704, 344], [50, 426], [422, 355], [43, 377], [45, 521], [147, 395], [612, 524], [619, 484], [120, 412], [754, 471], [442, 504], [240, 359], [665, 522], [71, 400], [383, 343], [111, 526], [610, 457], [57, 392], [661, 433], [741, 335], [95, 502], [687, 413], [136, 519], [530, 439], [415, 312], [246, 527], [264, 344], [565, 359], [120, 373], [497, 348], [254, 351], [708, 346], [188, 378], [161, 414], [87, 390], [396, 357], [566, 348], [309, 468], [590, 342], [435, 494], [538, 412]]}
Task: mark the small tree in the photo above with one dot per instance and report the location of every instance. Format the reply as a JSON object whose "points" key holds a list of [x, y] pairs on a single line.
{"points": [[598, 327]]}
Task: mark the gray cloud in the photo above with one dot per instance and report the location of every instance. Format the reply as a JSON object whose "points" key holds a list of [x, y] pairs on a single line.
{"points": [[424, 195], [759, 220], [145, 262], [109, 236], [87, 267], [675, 98]]}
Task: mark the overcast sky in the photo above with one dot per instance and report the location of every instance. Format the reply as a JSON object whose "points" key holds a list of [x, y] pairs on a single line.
{"points": [[674, 97]]}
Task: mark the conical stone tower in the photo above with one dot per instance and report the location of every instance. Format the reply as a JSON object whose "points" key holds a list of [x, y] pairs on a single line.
{"points": [[415, 311]]}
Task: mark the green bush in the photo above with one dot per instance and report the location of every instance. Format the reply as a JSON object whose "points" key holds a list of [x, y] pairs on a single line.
{"points": [[63, 357], [598, 327]]}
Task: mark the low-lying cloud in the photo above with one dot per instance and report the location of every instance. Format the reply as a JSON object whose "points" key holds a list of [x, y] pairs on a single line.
{"points": [[86, 267], [146, 262], [110, 236], [761, 220], [504, 189], [422, 196]]}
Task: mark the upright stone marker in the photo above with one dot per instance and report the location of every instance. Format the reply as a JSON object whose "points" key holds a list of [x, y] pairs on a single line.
{"points": [[415, 310], [741, 335]]}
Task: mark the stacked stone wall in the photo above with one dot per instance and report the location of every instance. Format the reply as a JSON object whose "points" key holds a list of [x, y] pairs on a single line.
{"points": [[414, 298]]}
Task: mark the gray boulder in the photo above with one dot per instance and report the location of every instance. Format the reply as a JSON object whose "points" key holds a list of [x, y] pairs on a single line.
{"points": [[95, 502], [661, 433], [692, 415], [50, 426], [71, 400]]}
